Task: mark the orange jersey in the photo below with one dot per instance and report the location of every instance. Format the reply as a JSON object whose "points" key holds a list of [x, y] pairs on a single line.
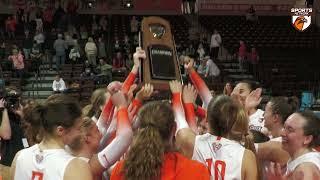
{"points": [[175, 166]]}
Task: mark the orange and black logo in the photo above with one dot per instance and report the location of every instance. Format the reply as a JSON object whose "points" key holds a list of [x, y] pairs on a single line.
{"points": [[301, 18]]}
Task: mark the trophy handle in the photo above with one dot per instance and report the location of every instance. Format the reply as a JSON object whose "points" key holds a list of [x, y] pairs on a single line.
{"points": [[177, 58]]}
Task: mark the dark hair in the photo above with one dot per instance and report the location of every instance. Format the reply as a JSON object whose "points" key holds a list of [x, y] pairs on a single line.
{"points": [[58, 110], [258, 137], [145, 157], [251, 85], [284, 106], [311, 127]]}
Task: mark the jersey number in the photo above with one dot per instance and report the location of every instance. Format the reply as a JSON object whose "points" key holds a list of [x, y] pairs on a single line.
{"points": [[37, 175], [219, 168]]}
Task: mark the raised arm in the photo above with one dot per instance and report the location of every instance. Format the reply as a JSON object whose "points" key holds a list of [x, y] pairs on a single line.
{"points": [[5, 128], [198, 82], [139, 54], [189, 96], [185, 137], [110, 154]]}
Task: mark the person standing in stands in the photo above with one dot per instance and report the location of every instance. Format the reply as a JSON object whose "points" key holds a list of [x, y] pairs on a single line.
{"points": [[18, 62], [91, 51], [215, 44], [60, 47]]}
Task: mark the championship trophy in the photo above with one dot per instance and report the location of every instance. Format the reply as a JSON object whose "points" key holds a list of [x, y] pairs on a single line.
{"points": [[160, 65]]}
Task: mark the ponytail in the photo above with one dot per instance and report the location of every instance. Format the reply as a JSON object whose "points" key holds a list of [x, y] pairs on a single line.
{"points": [[33, 122], [149, 144]]}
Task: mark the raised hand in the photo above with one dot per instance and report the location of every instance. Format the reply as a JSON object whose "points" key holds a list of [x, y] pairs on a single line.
{"points": [[189, 94], [145, 92], [254, 99], [2, 103], [119, 99], [139, 54], [175, 86], [276, 172], [114, 87], [130, 92]]}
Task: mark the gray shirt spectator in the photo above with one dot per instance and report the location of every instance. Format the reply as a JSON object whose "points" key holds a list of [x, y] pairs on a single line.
{"points": [[60, 46]]}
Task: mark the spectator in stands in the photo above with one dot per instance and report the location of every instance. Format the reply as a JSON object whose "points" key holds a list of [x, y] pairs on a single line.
{"points": [[47, 18], [60, 47], [190, 51], [118, 61], [18, 62], [101, 48], [91, 51], [2, 36], [134, 25], [116, 46], [227, 90], [39, 24], [202, 67], [58, 85], [87, 70], [36, 57], [215, 44], [104, 72], [2, 50], [74, 54], [211, 69], [11, 27], [129, 62], [200, 51], [27, 45], [242, 55], [127, 44], [11, 134], [103, 23], [83, 32], [253, 58], [251, 14], [40, 38]]}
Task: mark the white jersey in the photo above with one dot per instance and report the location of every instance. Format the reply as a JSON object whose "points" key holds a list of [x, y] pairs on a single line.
{"points": [[256, 121], [223, 157], [311, 157], [49, 164]]}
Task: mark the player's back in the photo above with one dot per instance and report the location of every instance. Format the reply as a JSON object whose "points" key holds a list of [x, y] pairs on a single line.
{"points": [[36, 164], [223, 157]]}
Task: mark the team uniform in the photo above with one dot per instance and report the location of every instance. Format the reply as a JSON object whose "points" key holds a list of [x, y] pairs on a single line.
{"points": [[256, 121], [36, 164], [311, 157], [174, 167], [223, 157]]}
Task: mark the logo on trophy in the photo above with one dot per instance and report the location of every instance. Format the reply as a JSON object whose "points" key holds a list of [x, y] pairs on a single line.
{"points": [[161, 65]]}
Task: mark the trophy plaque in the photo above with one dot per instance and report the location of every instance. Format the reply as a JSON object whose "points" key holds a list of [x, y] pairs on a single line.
{"points": [[161, 65]]}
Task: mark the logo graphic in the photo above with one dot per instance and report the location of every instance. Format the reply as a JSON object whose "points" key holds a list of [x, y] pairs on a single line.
{"points": [[301, 18]]}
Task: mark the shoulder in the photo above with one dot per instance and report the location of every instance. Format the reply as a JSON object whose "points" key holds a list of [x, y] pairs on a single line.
{"points": [[306, 170], [204, 137], [77, 169]]}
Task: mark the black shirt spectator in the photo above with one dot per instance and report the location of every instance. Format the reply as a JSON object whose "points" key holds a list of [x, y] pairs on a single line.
{"points": [[10, 147]]}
